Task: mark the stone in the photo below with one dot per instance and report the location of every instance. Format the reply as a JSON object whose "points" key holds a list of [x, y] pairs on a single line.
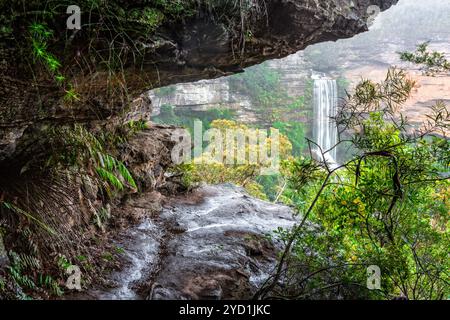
{"points": [[202, 47], [148, 155], [220, 253], [223, 253]]}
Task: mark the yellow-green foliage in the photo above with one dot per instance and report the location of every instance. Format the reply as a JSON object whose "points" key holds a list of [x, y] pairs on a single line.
{"points": [[84, 150], [207, 168]]}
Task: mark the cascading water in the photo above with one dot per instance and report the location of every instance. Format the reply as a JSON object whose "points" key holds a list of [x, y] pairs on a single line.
{"points": [[325, 107]]}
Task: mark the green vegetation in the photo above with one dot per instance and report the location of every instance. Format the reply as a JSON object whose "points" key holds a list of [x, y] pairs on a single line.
{"points": [[271, 101], [26, 271], [39, 35], [386, 206], [207, 168], [83, 149], [41, 188], [186, 118], [275, 108], [295, 132], [115, 36], [432, 62], [265, 187]]}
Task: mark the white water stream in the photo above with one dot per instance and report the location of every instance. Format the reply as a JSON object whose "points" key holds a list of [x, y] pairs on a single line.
{"points": [[325, 107]]}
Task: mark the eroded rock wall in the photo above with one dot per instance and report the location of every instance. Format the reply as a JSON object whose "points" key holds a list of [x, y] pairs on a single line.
{"points": [[199, 46]]}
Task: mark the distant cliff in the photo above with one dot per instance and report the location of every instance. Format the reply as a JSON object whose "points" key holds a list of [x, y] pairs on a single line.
{"points": [[293, 71]]}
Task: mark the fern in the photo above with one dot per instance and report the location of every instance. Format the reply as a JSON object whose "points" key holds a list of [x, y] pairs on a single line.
{"points": [[21, 279], [19, 264], [100, 217], [2, 283], [47, 281], [126, 174], [40, 34], [63, 263], [16, 209], [110, 178], [137, 126], [84, 148], [110, 162], [109, 165]]}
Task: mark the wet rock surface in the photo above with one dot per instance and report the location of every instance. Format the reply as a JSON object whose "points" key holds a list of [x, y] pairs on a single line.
{"points": [[210, 244]]}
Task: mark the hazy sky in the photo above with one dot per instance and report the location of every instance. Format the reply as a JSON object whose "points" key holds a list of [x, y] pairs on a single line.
{"points": [[417, 17]]}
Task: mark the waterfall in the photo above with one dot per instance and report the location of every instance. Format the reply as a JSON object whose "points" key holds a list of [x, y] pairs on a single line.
{"points": [[325, 105]]}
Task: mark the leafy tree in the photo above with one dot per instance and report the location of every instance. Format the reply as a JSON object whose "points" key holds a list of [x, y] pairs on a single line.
{"points": [[207, 168], [386, 206], [295, 131], [431, 61], [186, 118]]}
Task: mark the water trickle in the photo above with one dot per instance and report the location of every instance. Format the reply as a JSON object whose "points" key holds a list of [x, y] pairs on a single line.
{"points": [[325, 107], [141, 245], [194, 250]]}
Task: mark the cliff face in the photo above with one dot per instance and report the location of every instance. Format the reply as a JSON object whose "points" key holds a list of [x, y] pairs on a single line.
{"points": [[293, 72], [104, 66]]}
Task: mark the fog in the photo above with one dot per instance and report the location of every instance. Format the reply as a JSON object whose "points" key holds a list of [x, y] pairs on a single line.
{"points": [[401, 28], [414, 20]]}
